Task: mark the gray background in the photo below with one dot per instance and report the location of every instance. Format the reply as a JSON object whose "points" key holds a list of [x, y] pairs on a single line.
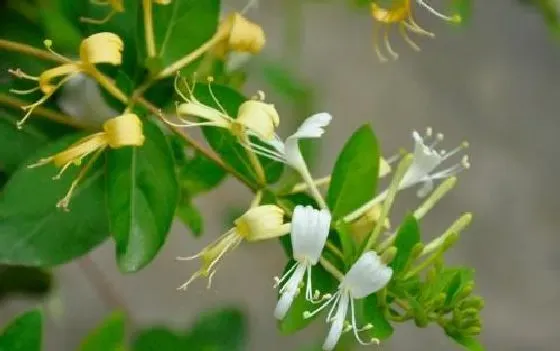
{"points": [[494, 83]]}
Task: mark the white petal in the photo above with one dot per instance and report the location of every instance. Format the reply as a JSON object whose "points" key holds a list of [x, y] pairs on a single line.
{"points": [[366, 276], [337, 324], [290, 292], [312, 127], [310, 228]]}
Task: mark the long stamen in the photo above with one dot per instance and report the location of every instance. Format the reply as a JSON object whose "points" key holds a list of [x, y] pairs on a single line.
{"points": [[263, 151], [390, 50], [309, 314], [24, 92], [331, 313], [48, 45], [356, 330], [406, 37], [278, 281], [434, 11], [18, 73], [222, 109], [191, 279], [376, 33], [464, 145], [414, 27]]}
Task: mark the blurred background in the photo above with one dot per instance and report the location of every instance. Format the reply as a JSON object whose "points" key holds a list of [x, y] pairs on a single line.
{"points": [[493, 83]]}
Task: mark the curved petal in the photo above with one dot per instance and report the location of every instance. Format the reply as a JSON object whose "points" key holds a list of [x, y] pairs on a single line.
{"points": [[310, 228], [289, 293], [337, 324], [366, 276]]}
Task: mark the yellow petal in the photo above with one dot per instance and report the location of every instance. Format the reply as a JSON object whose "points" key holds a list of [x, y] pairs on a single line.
{"points": [[45, 79], [259, 117], [262, 222], [76, 152], [241, 34], [102, 47], [195, 108], [398, 13], [124, 130]]}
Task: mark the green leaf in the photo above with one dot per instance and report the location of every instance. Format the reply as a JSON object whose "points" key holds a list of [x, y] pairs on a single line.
{"points": [[294, 321], [347, 243], [23, 333], [219, 330], [142, 193], [227, 145], [468, 342], [355, 173], [180, 28], [17, 144], [369, 311], [199, 174], [37, 233], [58, 28], [190, 215], [159, 339], [408, 236], [24, 280], [108, 336]]}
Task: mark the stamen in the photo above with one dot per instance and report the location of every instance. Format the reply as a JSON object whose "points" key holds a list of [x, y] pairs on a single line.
{"points": [[309, 314], [429, 131], [357, 330], [414, 27], [380, 56], [18, 73], [464, 145], [48, 45], [390, 50], [435, 12], [24, 92], [407, 39], [286, 275], [250, 4], [222, 109], [191, 279], [209, 284], [437, 140], [189, 258], [178, 90]]}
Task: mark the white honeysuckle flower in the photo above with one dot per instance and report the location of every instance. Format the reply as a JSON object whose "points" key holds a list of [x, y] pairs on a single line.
{"points": [[310, 228], [426, 158], [367, 276], [288, 152]]}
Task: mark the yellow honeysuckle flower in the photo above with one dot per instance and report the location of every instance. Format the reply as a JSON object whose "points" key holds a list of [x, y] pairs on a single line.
{"points": [[362, 226], [98, 48], [399, 12], [254, 116], [123, 130], [237, 33], [258, 223]]}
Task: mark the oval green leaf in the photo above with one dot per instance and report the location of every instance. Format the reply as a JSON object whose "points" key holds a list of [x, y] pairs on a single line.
{"points": [[23, 333], [108, 336], [34, 231], [142, 194], [355, 173]]}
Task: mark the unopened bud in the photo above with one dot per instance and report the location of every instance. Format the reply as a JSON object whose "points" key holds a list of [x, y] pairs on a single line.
{"points": [[261, 222], [389, 254], [473, 330], [472, 302], [362, 226], [465, 292]]}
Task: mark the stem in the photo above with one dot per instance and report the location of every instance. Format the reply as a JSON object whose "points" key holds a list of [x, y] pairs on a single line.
{"points": [[392, 192], [434, 197], [197, 146], [255, 162], [329, 267], [105, 289], [257, 199], [30, 50], [303, 186], [313, 188], [108, 84], [334, 249], [44, 112], [179, 64], [149, 28]]}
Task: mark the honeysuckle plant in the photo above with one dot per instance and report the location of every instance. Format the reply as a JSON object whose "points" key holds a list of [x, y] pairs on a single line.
{"points": [[158, 70]]}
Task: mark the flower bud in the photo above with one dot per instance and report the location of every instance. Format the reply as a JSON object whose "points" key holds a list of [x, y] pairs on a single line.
{"points": [[389, 254], [472, 302], [262, 222], [124, 130], [361, 227], [259, 117], [102, 47], [240, 35]]}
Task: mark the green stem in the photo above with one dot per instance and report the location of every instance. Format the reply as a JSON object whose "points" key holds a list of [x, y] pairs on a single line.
{"points": [[149, 28], [329, 267]]}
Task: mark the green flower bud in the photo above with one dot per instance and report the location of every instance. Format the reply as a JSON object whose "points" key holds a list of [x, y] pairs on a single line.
{"points": [[389, 254]]}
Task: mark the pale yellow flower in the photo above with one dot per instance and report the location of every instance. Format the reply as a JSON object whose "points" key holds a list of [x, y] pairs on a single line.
{"points": [[254, 116], [98, 48], [399, 13], [258, 223], [237, 33], [123, 130]]}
